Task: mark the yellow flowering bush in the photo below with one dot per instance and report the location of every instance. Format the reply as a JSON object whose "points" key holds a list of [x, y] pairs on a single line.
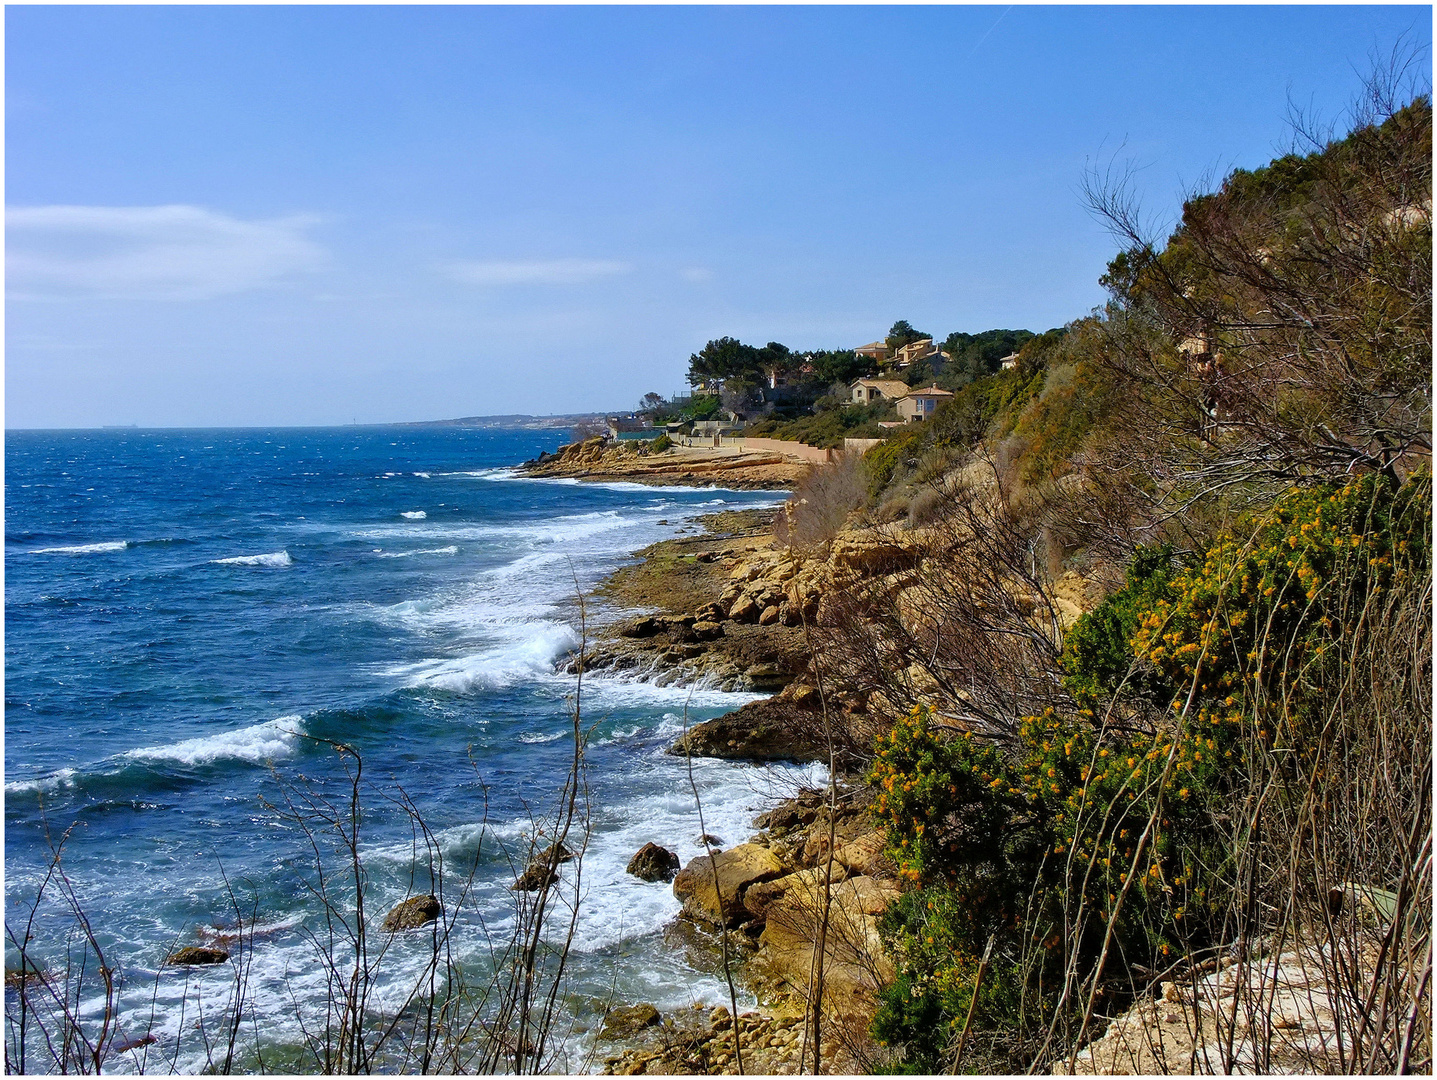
{"points": [[1071, 833]]}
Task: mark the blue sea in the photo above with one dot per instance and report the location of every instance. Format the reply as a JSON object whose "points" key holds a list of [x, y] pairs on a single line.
{"points": [[195, 617]]}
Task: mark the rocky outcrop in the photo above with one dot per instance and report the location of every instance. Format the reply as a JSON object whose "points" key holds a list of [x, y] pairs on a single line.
{"points": [[654, 863], [602, 459], [196, 955], [412, 913], [536, 876], [1273, 1014], [769, 730], [855, 965], [718, 900], [700, 1041], [627, 1020]]}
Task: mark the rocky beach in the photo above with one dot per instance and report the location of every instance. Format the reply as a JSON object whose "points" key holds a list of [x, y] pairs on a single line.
{"points": [[726, 609]]}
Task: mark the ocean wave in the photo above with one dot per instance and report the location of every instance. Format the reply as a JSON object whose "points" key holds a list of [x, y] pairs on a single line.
{"points": [[258, 743], [535, 737], [423, 475], [273, 559], [413, 515], [529, 654], [55, 781], [452, 549], [82, 549]]}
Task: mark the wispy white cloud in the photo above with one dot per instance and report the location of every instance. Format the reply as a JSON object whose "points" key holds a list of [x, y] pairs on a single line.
{"points": [[149, 252], [535, 271], [696, 273]]}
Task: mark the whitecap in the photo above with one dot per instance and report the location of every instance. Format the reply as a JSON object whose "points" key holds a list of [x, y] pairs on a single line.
{"points": [[535, 737], [424, 475], [258, 743], [528, 654], [413, 515], [83, 549], [273, 558], [452, 549], [55, 781]]}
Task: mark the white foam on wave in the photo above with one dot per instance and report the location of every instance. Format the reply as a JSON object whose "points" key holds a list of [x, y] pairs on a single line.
{"points": [[659, 807], [272, 559], [55, 781], [556, 530], [413, 515], [451, 549], [423, 475], [604, 690], [529, 654], [83, 549], [258, 743], [536, 737]]}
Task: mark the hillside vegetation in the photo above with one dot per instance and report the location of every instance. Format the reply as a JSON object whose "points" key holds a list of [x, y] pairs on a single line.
{"points": [[1147, 691]]}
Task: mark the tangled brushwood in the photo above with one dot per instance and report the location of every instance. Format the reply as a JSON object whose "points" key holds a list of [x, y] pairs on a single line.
{"points": [[1149, 680]]}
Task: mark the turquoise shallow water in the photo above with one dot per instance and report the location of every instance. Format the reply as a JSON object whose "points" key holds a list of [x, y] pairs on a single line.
{"points": [[190, 614]]}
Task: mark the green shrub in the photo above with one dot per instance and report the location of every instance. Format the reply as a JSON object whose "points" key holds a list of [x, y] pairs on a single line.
{"points": [[662, 443], [1097, 652], [1074, 834]]}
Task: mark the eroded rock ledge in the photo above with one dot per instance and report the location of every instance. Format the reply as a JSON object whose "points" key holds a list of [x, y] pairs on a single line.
{"points": [[599, 459]]}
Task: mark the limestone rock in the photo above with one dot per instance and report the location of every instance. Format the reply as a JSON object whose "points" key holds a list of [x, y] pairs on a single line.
{"points": [[863, 855], [548, 853], [802, 809], [744, 609], [628, 1020], [760, 898], [416, 911], [197, 954], [654, 863], [873, 557], [737, 869], [642, 628], [706, 630], [856, 965], [537, 876], [759, 731]]}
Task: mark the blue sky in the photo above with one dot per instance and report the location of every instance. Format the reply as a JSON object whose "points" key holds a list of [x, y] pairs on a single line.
{"points": [[286, 215]]}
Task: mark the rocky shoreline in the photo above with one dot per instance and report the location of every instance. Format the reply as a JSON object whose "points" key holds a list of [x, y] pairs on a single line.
{"points": [[725, 609], [632, 461]]}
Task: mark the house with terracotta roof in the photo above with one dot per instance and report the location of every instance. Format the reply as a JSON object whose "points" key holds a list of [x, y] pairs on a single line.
{"points": [[922, 350], [919, 405], [867, 391], [877, 351]]}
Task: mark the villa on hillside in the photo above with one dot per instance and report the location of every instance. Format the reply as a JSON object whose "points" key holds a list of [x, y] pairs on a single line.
{"points": [[920, 351], [1008, 363], [867, 391], [919, 405], [877, 351]]}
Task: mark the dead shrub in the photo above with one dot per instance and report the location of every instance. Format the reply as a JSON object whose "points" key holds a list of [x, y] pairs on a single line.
{"points": [[821, 504]]}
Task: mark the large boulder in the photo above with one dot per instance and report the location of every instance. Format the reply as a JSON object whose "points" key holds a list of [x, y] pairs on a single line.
{"points": [[706, 630], [736, 870], [654, 863], [763, 896], [535, 877], [771, 730], [855, 965], [872, 556], [801, 809], [628, 1020], [864, 855], [196, 955], [414, 912], [744, 609]]}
